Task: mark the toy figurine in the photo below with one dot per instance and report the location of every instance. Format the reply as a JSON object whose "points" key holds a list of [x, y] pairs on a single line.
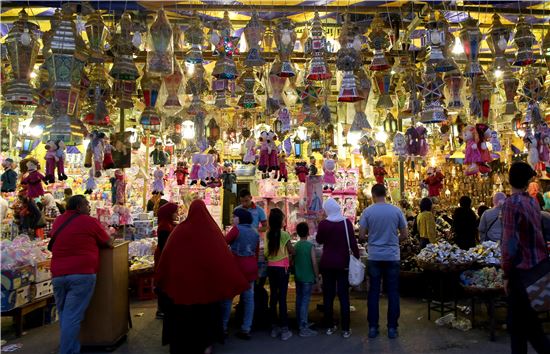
{"points": [[194, 175], [472, 155], [313, 171], [329, 178], [532, 150], [120, 187], [61, 157], [413, 141], [158, 182], [33, 180], [301, 171], [90, 183], [263, 164], [250, 154], [229, 177], [316, 203], [379, 172], [159, 156], [399, 145], [434, 181], [9, 177], [283, 172], [422, 140], [484, 134], [181, 173], [273, 152], [51, 161], [203, 173], [495, 142], [108, 162]]}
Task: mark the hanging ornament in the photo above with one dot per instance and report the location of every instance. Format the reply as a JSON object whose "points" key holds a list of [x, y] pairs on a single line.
{"points": [[497, 40], [454, 83], [160, 56], [532, 91], [196, 86], [524, 39], [510, 85], [348, 61], [220, 86], [172, 84], [285, 38], [65, 58], [410, 80], [248, 81], [432, 91], [98, 93], [254, 33], [316, 45], [22, 51], [41, 118], [439, 40], [194, 35], [150, 118], [383, 83], [484, 90], [226, 46], [470, 36], [97, 33], [213, 132], [379, 43], [308, 95], [275, 100], [360, 121]]}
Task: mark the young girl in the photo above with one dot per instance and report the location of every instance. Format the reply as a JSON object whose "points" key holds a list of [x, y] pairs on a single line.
{"points": [[425, 222], [278, 262]]}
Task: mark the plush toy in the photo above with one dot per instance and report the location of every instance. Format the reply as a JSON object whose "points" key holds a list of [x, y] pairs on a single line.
{"points": [[413, 143], [9, 177], [61, 157], [115, 216], [209, 168], [313, 171], [495, 142], [434, 181], [203, 170], [532, 149], [399, 145], [120, 187], [108, 162], [329, 170], [422, 133], [379, 172], [51, 161], [125, 216], [472, 155], [283, 172], [98, 148], [90, 184], [158, 155], [273, 151], [263, 164], [33, 180], [250, 154], [301, 171], [181, 173], [229, 178], [158, 182], [484, 134], [194, 175]]}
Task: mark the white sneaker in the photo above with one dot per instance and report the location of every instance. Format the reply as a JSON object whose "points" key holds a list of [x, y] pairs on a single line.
{"points": [[286, 334], [331, 330], [346, 334]]}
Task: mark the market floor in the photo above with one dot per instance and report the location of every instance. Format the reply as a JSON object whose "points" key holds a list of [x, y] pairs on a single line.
{"points": [[417, 335]]}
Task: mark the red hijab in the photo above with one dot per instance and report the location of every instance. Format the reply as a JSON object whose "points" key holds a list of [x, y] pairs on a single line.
{"points": [[165, 220], [196, 266]]}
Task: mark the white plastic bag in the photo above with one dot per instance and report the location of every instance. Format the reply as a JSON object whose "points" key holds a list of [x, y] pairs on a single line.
{"points": [[356, 273]]}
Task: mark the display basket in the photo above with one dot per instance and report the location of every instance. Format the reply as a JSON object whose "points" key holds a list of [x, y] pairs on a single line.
{"points": [[440, 267]]}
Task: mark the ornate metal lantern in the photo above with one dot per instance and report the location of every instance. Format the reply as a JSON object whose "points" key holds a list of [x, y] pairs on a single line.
{"points": [[524, 39], [213, 132], [379, 42], [348, 61], [196, 86], [97, 33], [316, 45], [439, 39], [383, 83], [98, 93], [470, 35], [150, 86], [432, 91], [390, 124], [172, 84], [248, 81], [454, 82], [497, 40], [276, 99], [285, 38], [194, 35], [510, 86], [22, 49], [254, 33], [226, 46], [360, 121], [160, 57]]}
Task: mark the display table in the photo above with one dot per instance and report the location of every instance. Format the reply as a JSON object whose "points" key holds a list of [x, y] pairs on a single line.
{"points": [[18, 313], [107, 318]]}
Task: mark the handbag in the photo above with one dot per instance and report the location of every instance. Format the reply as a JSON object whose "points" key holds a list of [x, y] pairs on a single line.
{"points": [[356, 273], [54, 235], [536, 282]]}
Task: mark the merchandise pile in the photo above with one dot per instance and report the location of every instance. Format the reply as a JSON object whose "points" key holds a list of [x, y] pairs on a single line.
{"points": [[141, 254], [486, 278], [444, 253], [21, 251], [487, 253]]}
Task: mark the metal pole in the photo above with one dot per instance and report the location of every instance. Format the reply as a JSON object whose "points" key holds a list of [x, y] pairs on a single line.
{"points": [[401, 163], [147, 136]]}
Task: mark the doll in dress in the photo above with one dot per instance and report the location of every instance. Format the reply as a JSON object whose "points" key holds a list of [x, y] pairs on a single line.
{"points": [[472, 155], [108, 162], [90, 184], [283, 172], [61, 157], [33, 180], [194, 174], [379, 172], [316, 203], [329, 171], [158, 182], [51, 162], [263, 163], [301, 171], [181, 173], [120, 187], [250, 154]]}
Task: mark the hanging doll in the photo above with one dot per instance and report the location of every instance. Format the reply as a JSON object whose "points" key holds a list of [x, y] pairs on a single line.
{"points": [[194, 175], [90, 184], [484, 134], [316, 203], [250, 154], [329, 178], [313, 171], [273, 152], [379, 172], [229, 178], [399, 145], [434, 181], [108, 162], [472, 155], [301, 171], [532, 150], [158, 182], [495, 142], [413, 143], [61, 157], [33, 180], [263, 164], [203, 170], [98, 148], [51, 162], [283, 172], [120, 187], [181, 173], [422, 140]]}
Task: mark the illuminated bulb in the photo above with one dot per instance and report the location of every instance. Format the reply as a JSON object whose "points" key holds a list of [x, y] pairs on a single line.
{"points": [[392, 72], [498, 73], [36, 131], [520, 133], [85, 143], [25, 38], [432, 161], [33, 75], [190, 68], [381, 136], [458, 48], [136, 39], [353, 138]]}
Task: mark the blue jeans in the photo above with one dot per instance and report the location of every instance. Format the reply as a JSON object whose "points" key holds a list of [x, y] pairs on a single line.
{"points": [[247, 298], [72, 296], [303, 295], [389, 271]]}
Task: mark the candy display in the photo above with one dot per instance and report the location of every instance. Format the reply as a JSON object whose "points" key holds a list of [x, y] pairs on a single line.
{"points": [[444, 253], [486, 278], [487, 253]]}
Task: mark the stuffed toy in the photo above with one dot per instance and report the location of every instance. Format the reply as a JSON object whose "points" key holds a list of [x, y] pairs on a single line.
{"points": [[301, 171], [313, 171], [413, 141], [210, 168], [379, 172], [98, 148], [484, 134], [472, 155], [90, 184], [532, 149], [158, 182], [368, 149], [33, 180], [194, 175], [9, 177], [203, 170], [229, 178], [273, 151], [125, 216], [181, 173], [120, 187], [159, 156], [263, 164], [399, 145], [115, 217], [283, 172], [329, 171], [61, 157], [495, 142], [543, 139], [108, 162], [250, 154], [422, 133], [51, 161], [434, 181]]}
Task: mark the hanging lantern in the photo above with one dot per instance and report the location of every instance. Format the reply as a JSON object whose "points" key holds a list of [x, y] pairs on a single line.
{"points": [[470, 35], [188, 130], [532, 89], [439, 40], [454, 83], [98, 93], [483, 91], [432, 91], [268, 38], [517, 123], [324, 115], [212, 132], [194, 35], [308, 96], [285, 38], [298, 144], [390, 124], [315, 141], [160, 56], [226, 46], [524, 39], [383, 82], [65, 58], [22, 51], [545, 49], [220, 87], [348, 61], [150, 86], [510, 85], [276, 99], [97, 33], [329, 135], [172, 84], [254, 33], [410, 83], [316, 45], [379, 42], [497, 40], [360, 121], [248, 81], [196, 86]]}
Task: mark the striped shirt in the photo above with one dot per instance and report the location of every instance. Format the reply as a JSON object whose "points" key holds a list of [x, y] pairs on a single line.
{"points": [[523, 245]]}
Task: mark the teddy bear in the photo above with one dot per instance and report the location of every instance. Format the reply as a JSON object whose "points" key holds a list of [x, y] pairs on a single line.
{"points": [[250, 154], [329, 178], [90, 184], [301, 171], [283, 172], [379, 172], [61, 157], [472, 155], [399, 145], [434, 181], [181, 172], [194, 174], [158, 182], [33, 180], [51, 161]]}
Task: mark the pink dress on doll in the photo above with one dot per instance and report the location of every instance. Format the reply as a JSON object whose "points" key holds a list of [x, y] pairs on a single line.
{"points": [[264, 157], [34, 184], [471, 155], [329, 177], [194, 175]]}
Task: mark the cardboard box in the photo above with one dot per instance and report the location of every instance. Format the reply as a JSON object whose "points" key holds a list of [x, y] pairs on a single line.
{"points": [[42, 271], [42, 289], [15, 298], [17, 278]]}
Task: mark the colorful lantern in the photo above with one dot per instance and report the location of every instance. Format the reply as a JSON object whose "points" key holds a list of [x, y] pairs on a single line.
{"points": [[470, 35], [172, 84], [360, 121], [510, 86], [285, 38], [254, 33], [432, 91], [226, 46], [22, 51], [348, 61], [160, 56], [410, 81], [316, 45], [65, 59], [194, 35], [213, 132], [308, 96], [379, 42], [383, 83], [484, 90], [248, 81], [150, 86], [97, 33], [524, 39], [220, 86], [454, 83], [98, 93], [196, 86], [439, 40], [497, 40], [276, 99]]}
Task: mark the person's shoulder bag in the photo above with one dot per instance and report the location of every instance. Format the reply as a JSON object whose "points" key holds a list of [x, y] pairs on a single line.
{"points": [[54, 235], [356, 273]]}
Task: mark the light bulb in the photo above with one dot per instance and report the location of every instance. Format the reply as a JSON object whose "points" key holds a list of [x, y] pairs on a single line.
{"points": [[458, 48], [432, 161], [520, 133], [190, 68], [33, 75], [25, 38], [381, 136], [498, 73]]}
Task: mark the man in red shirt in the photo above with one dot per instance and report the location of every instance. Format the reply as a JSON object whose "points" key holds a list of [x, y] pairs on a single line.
{"points": [[75, 262]]}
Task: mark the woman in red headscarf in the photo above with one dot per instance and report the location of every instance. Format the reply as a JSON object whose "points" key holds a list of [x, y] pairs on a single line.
{"points": [[196, 270]]}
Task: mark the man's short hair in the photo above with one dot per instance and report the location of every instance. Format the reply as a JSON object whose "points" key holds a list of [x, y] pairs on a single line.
{"points": [[75, 201], [243, 193], [520, 174], [465, 202], [68, 191], [378, 191]]}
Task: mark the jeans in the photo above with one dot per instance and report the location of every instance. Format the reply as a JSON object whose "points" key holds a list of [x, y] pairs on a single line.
{"points": [[72, 296], [278, 287], [523, 322], [247, 299], [335, 281], [303, 295], [389, 271]]}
